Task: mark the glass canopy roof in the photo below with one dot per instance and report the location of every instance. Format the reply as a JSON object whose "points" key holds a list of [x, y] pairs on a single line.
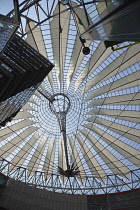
{"points": [[100, 92]]}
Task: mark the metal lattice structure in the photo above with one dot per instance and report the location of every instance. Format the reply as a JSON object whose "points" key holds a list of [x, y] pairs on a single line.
{"points": [[84, 117], [9, 22], [22, 70], [113, 183]]}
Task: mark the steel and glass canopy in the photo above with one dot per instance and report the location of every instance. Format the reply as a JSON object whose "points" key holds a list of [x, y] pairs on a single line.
{"points": [[83, 121]]}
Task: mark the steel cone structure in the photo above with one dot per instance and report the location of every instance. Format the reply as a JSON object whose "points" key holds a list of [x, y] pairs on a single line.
{"points": [[83, 121]]}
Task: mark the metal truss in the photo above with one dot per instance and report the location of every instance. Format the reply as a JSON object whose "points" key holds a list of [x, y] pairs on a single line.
{"points": [[73, 185], [26, 5]]}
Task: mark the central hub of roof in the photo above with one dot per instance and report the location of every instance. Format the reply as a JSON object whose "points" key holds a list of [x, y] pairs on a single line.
{"points": [[59, 103]]}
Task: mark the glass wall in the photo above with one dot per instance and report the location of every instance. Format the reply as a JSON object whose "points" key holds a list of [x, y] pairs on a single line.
{"points": [[116, 20], [8, 21]]}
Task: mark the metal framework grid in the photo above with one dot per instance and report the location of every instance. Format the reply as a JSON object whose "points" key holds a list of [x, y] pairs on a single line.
{"points": [[105, 60], [58, 183], [9, 24]]}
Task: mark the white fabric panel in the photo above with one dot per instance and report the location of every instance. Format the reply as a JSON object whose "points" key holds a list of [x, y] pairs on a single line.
{"points": [[25, 151], [116, 66], [134, 133], [133, 116], [9, 147], [50, 79], [32, 100], [123, 83], [73, 151], [54, 26], [122, 100], [125, 150], [21, 125], [75, 61], [39, 156], [111, 161], [42, 86], [37, 94], [36, 157], [23, 115], [77, 55], [133, 51], [62, 158], [100, 54], [76, 158], [92, 163], [27, 107], [44, 90], [4, 137], [80, 15], [72, 154], [35, 38], [15, 127], [49, 159], [101, 6], [133, 137], [61, 155]]}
